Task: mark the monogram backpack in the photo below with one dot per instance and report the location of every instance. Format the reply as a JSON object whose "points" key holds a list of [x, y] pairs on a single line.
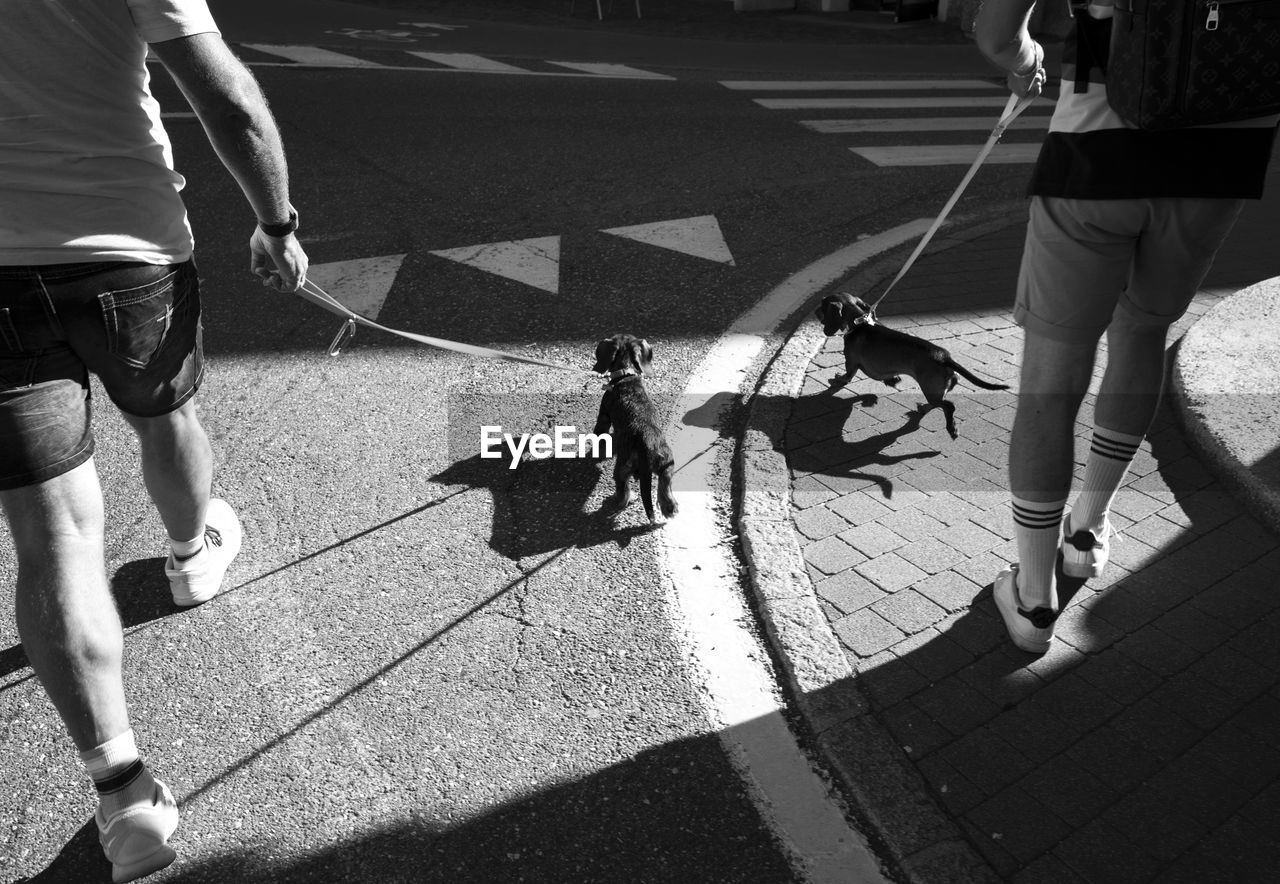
{"points": [[1176, 63]]}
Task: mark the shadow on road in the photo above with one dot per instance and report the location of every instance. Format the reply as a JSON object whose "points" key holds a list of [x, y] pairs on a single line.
{"points": [[674, 812], [541, 505]]}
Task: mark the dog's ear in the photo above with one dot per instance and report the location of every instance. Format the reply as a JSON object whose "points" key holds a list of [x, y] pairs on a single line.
{"points": [[641, 355], [606, 349]]}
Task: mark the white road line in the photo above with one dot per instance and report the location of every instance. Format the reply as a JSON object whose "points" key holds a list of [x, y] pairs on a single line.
{"points": [[313, 55], [946, 154], [610, 70], [319, 58], [464, 61], [702, 573], [897, 103], [855, 85], [920, 124]]}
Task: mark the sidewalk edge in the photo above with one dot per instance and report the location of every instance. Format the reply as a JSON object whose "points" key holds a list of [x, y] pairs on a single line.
{"points": [[1209, 440], [923, 844]]}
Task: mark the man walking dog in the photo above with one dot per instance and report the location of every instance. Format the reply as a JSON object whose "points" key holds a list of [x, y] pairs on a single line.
{"points": [[1125, 223], [96, 275]]}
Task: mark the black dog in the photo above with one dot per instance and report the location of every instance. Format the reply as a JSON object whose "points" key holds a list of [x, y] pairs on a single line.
{"points": [[639, 446], [885, 354]]}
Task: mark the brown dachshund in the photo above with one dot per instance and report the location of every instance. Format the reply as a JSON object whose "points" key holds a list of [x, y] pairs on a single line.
{"points": [[640, 449], [884, 354]]}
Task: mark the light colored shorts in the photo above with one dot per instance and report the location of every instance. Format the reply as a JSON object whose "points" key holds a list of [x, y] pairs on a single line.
{"points": [[1089, 262]]}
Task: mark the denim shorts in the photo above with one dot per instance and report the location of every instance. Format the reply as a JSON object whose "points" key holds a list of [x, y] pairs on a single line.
{"points": [[136, 326], [1139, 262]]}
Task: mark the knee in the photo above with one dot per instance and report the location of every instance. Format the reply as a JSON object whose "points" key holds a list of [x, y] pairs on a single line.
{"points": [[1130, 334], [162, 428], [1055, 368], [64, 512]]}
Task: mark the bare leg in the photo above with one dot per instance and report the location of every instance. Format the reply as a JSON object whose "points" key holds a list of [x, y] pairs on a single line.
{"points": [[1134, 378], [1054, 379], [177, 467], [66, 617]]}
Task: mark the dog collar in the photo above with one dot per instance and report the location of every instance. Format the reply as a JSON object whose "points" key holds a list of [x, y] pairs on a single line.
{"points": [[616, 377]]}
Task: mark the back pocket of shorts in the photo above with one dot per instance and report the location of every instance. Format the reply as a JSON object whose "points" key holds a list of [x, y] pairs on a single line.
{"points": [[16, 372], [138, 319]]}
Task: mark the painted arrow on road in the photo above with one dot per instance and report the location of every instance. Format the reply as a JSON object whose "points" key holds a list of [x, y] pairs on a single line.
{"points": [[534, 262], [362, 284], [700, 237]]}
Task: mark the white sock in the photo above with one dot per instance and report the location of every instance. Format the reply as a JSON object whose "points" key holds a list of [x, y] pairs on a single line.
{"points": [[1110, 454], [185, 549], [118, 773], [1037, 528]]}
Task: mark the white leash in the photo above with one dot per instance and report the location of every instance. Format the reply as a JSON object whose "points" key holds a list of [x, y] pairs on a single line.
{"points": [[1012, 108], [316, 295]]}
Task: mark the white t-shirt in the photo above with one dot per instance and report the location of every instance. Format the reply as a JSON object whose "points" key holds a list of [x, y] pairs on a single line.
{"points": [[86, 168]]}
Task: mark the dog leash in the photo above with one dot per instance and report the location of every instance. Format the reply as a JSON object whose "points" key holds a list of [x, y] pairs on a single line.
{"points": [[1012, 109], [318, 296]]}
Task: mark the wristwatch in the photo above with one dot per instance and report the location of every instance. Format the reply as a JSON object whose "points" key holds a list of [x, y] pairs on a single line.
{"points": [[279, 230]]}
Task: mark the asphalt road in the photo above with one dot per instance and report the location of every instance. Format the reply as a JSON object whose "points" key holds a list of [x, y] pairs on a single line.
{"points": [[431, 667]]}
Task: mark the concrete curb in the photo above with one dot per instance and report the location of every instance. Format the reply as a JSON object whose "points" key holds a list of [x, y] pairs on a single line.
{"points": [[1226, 379], [918, 838]]}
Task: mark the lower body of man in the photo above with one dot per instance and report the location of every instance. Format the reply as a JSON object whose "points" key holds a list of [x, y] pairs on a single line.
{"points": [[1126, 268], [137, 327]]}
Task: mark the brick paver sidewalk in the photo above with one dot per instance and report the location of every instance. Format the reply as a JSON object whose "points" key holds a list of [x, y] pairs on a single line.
{"points": [[1146, 744]]}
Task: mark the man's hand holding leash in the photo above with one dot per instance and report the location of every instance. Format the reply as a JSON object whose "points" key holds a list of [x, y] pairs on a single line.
{"points": [[278, 261], [1002, 35], [1030, 82]]}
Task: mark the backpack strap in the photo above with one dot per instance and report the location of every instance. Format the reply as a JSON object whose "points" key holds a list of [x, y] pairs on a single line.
{"points": [[1093, 44]]}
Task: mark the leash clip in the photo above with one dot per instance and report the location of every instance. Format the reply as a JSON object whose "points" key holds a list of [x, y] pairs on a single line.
{"points": [[343, 337]]}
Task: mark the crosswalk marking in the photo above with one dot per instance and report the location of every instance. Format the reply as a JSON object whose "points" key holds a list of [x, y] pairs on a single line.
{"points": [[920, 124], [448, 62], [901, 111], [313, 55], [610, 70], [852, 85], [464, 61], [946, 154], [881, 103]]}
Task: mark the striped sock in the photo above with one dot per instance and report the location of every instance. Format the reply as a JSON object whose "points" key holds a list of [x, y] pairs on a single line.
{"points": [[185, 549], [1037, 527], [1109, 457], [118, 773]]}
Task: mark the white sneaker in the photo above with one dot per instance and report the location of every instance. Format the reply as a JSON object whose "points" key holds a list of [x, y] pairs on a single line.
{"points": [[198, 579], [135, 839], [1031, 631], [1085, 552]]}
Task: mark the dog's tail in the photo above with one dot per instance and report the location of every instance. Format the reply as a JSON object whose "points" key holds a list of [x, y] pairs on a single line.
{"points": [[645, 477], [972, 378]]}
